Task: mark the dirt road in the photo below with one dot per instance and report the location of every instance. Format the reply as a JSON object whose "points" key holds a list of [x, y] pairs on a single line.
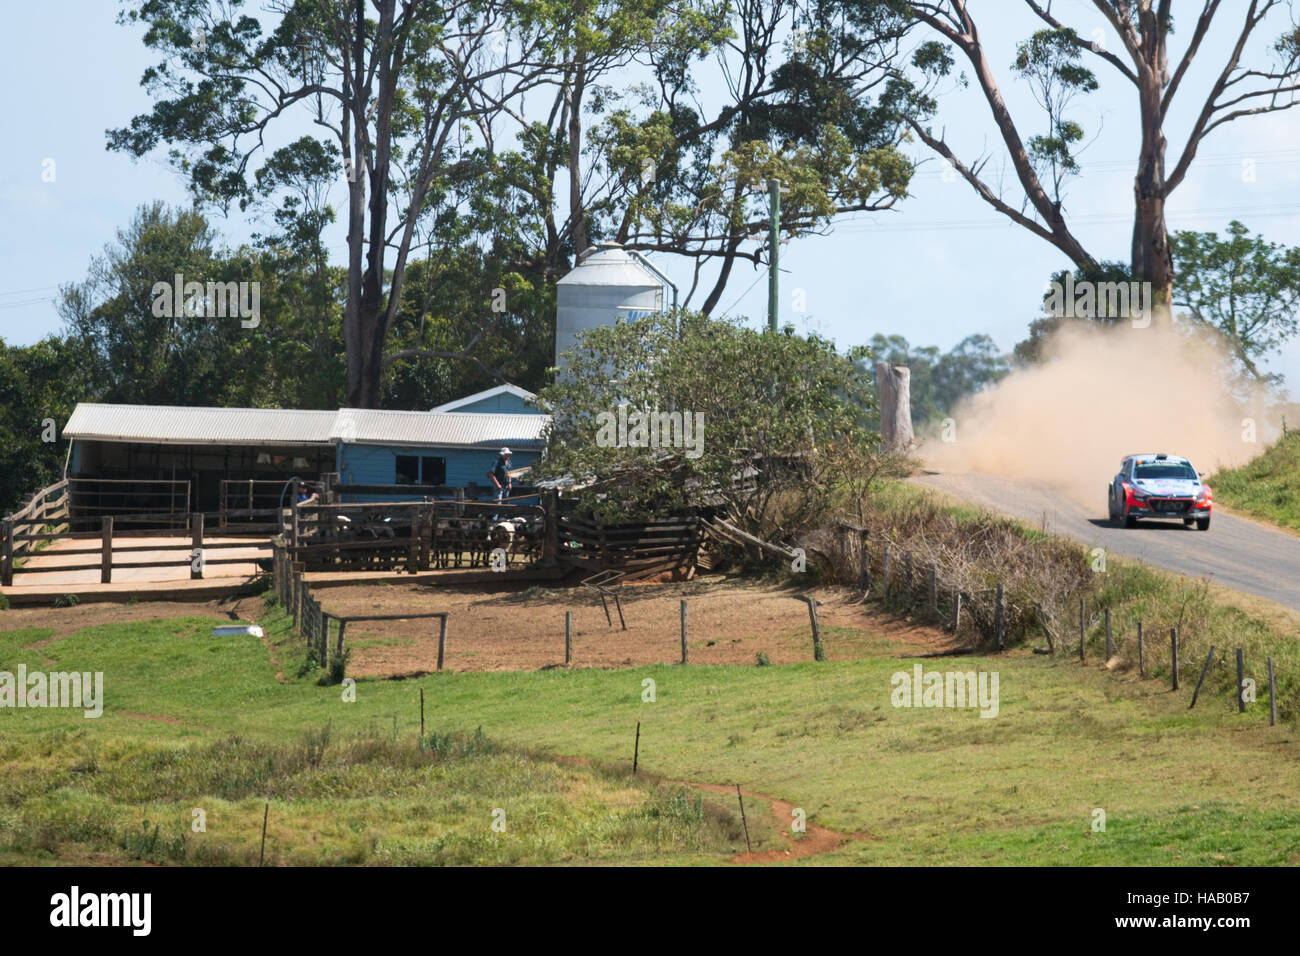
{"points": [[1236, 553]]}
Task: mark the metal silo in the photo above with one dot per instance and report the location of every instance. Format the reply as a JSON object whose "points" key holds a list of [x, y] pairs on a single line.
{"points": [[607, 285]]}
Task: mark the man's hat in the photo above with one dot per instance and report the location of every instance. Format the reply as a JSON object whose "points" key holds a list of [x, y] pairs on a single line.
{"points": [[505, 452]]}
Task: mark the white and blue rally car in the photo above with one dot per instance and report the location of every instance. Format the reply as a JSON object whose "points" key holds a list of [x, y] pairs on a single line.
{"points": [[1159, 486]]}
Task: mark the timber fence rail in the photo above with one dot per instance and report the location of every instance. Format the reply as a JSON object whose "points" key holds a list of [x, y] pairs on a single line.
{"points": [[417, 536], [17, 542], [323, 632]]}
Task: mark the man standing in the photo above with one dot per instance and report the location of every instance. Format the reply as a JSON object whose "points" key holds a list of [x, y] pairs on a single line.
{"points": [[501, 474]]}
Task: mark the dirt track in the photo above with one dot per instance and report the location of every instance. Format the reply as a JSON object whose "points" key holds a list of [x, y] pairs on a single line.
{"points": [[1236, 553]]}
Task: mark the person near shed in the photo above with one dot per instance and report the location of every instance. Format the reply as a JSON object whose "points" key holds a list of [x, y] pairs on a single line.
{"points": [[500, 474]]}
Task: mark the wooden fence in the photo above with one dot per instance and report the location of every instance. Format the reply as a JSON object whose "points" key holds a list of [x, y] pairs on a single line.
{"points": [[147, 502], [419, 536], [195, 546], [658, 543], [316, 625]]}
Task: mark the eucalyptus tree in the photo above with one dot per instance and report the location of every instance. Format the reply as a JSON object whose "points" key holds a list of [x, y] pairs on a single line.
{"points": [[406, 91], [1257, 74]]}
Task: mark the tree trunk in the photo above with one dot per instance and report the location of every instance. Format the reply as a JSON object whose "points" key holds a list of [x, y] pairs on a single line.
{"points": [[894, 391], [576, 212], [1152, 260]]}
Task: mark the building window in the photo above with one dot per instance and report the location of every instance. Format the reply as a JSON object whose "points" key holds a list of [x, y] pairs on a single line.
{"points": [[434, 470], [416, 470], [408, 470]]}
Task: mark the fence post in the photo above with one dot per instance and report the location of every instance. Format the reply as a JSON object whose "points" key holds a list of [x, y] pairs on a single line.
{"points": [[865, 569], [999, 616], [1110, 642], [1173, 647], [1142, 657], [933, 589], [323, 620], [1272, 696], [907, 577], [343, 624], [1081, 630], [1204, 670], [568, 636], [413, 548], [956, 609], [442, 640], [683, 630], [887, 568], [819, 653], [7, 554], [106, 550], [551, 533], [1241, 695], [196, 545], [296, 571]]}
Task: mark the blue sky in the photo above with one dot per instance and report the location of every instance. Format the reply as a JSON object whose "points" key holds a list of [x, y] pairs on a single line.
{"points": [[942, 266]]}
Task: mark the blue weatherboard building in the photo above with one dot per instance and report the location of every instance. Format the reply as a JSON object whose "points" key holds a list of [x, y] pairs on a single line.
{"points": [[210, 449]]}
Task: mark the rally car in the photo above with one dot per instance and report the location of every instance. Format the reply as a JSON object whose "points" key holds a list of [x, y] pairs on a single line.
{"points": [[1159, 486]]}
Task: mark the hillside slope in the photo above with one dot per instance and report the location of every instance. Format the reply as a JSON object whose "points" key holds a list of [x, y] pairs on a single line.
{"points": [[1267, 487]]}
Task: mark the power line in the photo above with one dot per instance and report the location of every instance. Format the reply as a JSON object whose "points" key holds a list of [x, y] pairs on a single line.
{"points": [[27, 302], [39, 288], [761, 276]]}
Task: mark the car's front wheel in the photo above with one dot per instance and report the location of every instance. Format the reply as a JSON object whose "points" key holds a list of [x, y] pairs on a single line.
{"points": [[1202, 524]]}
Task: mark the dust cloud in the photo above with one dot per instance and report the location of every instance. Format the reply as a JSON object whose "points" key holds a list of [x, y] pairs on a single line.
{"points": [[1102, 393]]}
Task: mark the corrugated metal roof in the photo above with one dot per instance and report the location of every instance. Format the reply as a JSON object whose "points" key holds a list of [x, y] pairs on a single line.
{"points": [[473, 429], [196, 425], [506, 389], [189, 425]]}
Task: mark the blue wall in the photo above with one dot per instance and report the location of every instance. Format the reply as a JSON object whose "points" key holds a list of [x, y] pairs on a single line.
{"points": [[504, 403], [377, 464]]}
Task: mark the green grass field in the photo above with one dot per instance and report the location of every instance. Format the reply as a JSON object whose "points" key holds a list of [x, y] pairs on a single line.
{"points": [[348, 782], [1267, 487]]}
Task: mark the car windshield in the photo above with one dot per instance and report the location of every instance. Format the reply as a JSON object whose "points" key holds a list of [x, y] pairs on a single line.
{"points": [[1164, 469]]}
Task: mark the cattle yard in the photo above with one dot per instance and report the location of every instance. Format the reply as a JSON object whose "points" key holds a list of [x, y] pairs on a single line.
{"points": [[52, 548]]}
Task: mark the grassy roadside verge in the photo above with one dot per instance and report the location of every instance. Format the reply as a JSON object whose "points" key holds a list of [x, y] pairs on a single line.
{"points": [[1268, 487], [1058, 571]]}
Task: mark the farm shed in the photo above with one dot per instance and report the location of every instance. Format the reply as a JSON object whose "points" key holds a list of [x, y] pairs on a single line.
{"points": [[149, 460], [161, 459]]}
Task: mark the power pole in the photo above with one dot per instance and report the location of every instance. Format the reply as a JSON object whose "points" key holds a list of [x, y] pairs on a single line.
{"points": [[774, 241]]}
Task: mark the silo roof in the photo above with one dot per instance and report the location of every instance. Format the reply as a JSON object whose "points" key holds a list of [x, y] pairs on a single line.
{"points": [[610, 264]]}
